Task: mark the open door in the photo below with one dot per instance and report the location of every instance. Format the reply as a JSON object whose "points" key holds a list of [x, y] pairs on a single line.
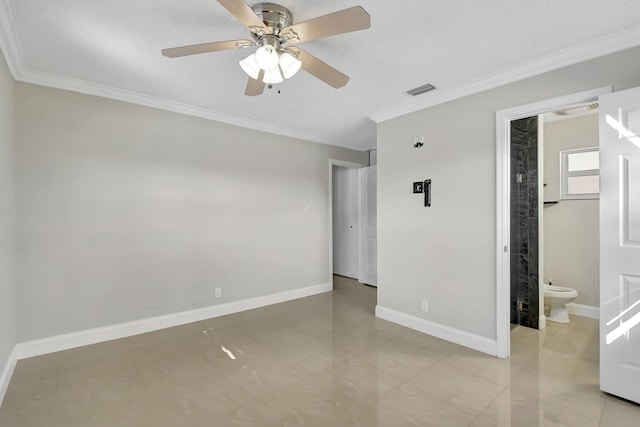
{"points": [[369, 243], [346, 221], [620, 244]]}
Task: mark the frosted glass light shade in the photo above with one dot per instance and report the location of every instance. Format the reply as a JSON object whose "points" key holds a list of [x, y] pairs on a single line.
{"points": [[267, 57], [272, 76], [289, 64], [250, 66]]}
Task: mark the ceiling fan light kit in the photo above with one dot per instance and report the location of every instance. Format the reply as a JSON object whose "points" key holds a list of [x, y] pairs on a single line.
{"points": [[278, 63], [272, 29], [250, 66], [267, 57], [289, 64], [272, 77]]}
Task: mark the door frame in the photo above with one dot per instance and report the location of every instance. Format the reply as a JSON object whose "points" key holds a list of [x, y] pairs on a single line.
{"points": [[503, 202], [350, 165]]}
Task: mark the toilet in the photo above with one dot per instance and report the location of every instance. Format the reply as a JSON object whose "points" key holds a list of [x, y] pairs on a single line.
{"points": [[557, 297]]}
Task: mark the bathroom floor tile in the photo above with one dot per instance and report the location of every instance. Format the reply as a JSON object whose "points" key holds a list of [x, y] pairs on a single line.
{"points": [[584, 323]]}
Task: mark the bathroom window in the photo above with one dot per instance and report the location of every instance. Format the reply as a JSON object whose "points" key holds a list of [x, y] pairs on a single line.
{"points": [[580, 172]]}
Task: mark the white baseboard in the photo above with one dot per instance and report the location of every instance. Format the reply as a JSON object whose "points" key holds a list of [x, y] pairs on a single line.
{"points": [[122, 330], [447, 333], [7, 372], [584, 310]]}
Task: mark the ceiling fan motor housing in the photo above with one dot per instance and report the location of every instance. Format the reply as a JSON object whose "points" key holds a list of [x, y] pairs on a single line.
{"points": [[274, 16]]}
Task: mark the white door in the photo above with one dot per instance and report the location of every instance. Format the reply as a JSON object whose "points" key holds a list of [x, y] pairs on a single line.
{"points": [[346, 221], [620, 244], [369, 244]]}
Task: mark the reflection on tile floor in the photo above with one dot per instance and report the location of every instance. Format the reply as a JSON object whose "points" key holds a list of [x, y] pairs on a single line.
{"points": [[318, 361]]}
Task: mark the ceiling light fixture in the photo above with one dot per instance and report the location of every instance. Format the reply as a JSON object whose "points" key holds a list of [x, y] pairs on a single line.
{"points": [[267, 57], [272, 76], [250, 66], [278, 63], [289, 64]]}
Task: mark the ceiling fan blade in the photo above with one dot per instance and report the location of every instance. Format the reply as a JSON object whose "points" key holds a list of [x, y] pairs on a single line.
{"points": [[194, 49], [344, 21], [242, 12], [319, 69], [255, 86]]}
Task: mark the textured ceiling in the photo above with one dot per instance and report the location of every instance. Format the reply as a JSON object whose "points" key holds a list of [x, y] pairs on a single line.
{"points": [[116, 44]]}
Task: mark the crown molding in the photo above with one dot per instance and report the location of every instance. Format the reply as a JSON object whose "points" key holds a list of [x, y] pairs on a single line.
{"points": [[96, 89], [10, 46], [573, 55], [9, 42]]}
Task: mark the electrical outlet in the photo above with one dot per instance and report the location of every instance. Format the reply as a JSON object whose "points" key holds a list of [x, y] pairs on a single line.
{"points": [[424, 306], [218, 292]]}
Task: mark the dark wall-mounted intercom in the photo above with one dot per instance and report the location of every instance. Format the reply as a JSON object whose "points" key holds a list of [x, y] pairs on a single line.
{"points": [[423, 187]]}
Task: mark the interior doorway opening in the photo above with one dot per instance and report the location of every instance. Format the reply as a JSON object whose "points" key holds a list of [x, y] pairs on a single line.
{"points": [[505, 250], [353, 241], [555, 216]]}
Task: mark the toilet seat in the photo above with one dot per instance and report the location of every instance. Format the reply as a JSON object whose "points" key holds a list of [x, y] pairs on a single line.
{"points": [[557, 297], [560, 291]]}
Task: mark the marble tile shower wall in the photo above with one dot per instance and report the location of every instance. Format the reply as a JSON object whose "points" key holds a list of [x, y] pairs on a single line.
{"points": [[524, 222]]}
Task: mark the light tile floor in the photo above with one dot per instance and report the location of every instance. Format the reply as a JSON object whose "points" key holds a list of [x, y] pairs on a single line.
{"points": [[319, 361]]}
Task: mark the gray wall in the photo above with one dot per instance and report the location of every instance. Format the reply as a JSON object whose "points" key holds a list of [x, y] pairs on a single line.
{"points": [[446, 253], [572, 227], [7, 216], [127, 212]]}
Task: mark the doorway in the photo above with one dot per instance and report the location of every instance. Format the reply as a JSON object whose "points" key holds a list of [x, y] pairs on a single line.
{"points": [[504, 119], [346, 221], [555, 213], [352, 201]]}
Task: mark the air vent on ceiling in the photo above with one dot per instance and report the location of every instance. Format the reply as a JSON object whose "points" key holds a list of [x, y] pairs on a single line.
{"points": [[420, 90], [579, 110], [592, 107]]}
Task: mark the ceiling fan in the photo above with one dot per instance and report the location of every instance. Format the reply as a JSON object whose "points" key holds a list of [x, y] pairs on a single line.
{"points": [[272, 29]]}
